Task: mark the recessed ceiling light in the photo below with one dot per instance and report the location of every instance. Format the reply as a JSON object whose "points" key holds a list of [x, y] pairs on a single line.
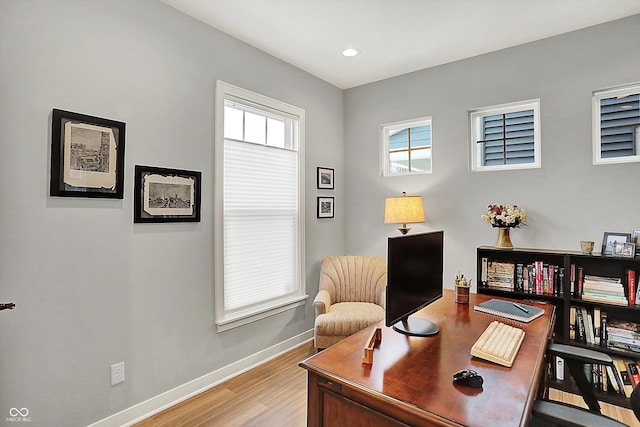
{"points": [[350, 52]]}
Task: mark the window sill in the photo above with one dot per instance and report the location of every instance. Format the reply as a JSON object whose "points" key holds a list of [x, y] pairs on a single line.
{"points": [[233, 321]]}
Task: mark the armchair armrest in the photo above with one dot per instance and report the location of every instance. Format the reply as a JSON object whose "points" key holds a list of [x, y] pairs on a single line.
{"points": [[322, 302], [580, 354], [575, 358]]}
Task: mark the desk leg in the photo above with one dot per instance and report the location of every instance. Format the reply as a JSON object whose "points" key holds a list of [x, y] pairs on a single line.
{"points": [[314, 402]]}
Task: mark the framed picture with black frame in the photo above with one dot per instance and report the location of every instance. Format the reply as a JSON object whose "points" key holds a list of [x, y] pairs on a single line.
{"points": [[87, 156], [326, 207], [610, 239], [325, 178], [166, 195]]}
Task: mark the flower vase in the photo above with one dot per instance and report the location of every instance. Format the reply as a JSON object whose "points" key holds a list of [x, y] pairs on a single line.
{"points": [[504, 239]]}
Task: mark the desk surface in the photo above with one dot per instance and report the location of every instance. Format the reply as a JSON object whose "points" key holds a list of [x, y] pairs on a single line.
{"points": [[414, 374]]}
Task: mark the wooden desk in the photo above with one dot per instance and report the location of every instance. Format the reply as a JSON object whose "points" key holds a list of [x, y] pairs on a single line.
{"points": [[410, 380]]}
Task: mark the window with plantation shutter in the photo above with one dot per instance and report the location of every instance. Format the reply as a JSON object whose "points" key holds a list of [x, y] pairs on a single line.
{"points": [[505, 136], [616, 119], [259, 213]]}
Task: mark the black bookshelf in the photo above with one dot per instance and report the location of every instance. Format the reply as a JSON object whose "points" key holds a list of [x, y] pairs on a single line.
{"points": [[562, 297]]}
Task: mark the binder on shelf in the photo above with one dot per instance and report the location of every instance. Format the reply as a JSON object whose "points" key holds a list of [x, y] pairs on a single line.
{"points": [[631, 285], [510, 310]]}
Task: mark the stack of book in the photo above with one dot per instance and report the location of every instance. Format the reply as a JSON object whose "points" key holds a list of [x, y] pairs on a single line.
{"points": [[500, 275], [607, 290], [623, 335]]}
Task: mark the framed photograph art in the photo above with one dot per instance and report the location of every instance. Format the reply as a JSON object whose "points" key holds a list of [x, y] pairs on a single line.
{"points": [[611, 239], [325, 207], [166, 195], [325, 178], [87, 156], [627, 250]]}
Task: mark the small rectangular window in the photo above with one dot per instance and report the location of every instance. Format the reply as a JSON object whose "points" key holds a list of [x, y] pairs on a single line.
{"points": [[407, 147], [616, 125], [505, 136]]}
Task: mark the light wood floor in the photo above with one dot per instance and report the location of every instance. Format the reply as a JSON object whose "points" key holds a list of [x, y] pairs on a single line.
{"points": [[275, 395]]}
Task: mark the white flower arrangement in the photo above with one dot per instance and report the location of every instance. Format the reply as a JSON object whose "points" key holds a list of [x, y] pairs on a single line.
{"points": [[505, 216]]}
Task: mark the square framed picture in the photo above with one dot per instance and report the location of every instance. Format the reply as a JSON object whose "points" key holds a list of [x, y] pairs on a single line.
{"points": [[611, 239], [627, 250], [325, 178], [325, 207], [87, 156], [166, 195]]}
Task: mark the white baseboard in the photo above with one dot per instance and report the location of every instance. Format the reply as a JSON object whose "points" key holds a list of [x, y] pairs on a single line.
{"points": [[142, 410]]}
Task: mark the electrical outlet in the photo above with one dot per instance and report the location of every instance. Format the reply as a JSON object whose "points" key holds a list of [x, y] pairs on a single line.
{"points": [[117, 373]]}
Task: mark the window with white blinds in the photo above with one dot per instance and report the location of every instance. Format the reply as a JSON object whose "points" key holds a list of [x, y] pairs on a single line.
{"points": [[259, 210], [506, 136], [616, 125]]}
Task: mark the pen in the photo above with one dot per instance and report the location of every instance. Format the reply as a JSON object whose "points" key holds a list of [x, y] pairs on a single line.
{"points": [[518, 306]]}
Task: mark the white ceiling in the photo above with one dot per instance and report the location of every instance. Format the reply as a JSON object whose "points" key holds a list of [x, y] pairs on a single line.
{"points": [[394, 36]]}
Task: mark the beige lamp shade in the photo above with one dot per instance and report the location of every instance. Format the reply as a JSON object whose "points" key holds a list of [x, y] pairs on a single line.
{"points": [[403, 210]]}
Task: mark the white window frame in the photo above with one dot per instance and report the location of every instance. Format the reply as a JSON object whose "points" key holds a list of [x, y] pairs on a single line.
{"points": [[385, 131], [598, 96], [227, 319], [476, 131]]}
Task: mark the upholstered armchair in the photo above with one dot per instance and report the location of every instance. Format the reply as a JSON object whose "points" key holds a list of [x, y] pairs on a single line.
{"points": [[351, 296]]}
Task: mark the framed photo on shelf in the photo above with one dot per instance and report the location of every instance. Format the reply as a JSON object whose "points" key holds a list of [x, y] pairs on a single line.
{"points": [[627, 250], [635, 238], [611, 239], [325, 178], [166, 195], [325, 207], [87, 156]]}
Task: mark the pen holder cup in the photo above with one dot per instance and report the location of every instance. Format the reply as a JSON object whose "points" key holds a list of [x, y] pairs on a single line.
{"points": [[462, 295]]}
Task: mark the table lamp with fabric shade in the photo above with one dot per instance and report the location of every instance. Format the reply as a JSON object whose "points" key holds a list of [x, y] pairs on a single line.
{"points": [[403, 210]]}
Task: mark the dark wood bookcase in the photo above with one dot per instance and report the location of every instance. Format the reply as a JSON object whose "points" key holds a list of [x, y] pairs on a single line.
{"points": [[563, 299]]}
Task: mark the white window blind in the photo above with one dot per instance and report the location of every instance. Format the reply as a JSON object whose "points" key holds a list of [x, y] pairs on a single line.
{"points": [[260, 224], [259, 238]]}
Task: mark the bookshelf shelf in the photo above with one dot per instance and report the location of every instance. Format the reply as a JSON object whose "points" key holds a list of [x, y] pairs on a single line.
{"points": [[562, 278]]}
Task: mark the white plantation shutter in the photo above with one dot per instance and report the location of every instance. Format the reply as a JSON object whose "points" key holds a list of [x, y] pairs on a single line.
{"points": [[616, 125], [259, 213], [506, 136]]}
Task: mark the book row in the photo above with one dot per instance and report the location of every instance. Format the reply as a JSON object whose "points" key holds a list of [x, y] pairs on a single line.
{"points": [[537, 278], [541, 278], [621, 378], [595, 328], [609, 290]]}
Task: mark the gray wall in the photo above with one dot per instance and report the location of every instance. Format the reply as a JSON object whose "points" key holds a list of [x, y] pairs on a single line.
{"points": [[92, 288], [567, 200]]}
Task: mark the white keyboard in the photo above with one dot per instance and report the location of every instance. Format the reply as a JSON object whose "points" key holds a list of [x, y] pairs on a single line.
{"points": [[499, 343]]}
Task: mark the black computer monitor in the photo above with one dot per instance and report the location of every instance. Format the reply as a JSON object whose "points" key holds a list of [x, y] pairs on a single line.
{"points": [[414, 280]]}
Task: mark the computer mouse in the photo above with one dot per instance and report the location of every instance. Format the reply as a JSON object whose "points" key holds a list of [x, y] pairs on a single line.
{"points": [[468, 378]]}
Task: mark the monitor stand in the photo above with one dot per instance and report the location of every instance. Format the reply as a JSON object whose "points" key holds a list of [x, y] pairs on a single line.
{"points": [[416, 327]]}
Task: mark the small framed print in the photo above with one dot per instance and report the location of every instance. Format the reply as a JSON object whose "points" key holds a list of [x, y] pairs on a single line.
{"points": [[635, 238], [627, 250], [87, 156], [325, 207], [166, 195], [611, 239], [325, 178]]}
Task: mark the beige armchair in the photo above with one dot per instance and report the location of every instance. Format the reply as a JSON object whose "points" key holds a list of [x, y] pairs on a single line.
{"points": [[351, 296]]}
